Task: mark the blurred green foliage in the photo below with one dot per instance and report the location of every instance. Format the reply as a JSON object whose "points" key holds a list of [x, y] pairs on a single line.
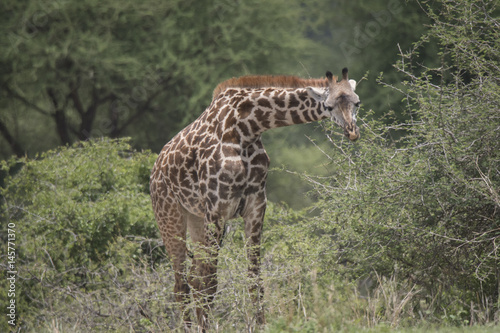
{"points": [[71, 70], [74, 70]]}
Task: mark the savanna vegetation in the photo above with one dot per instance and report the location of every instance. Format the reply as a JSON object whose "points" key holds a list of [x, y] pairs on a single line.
{"points": [[398, 231]]}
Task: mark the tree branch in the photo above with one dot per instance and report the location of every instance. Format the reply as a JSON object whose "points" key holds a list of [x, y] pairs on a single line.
{"points": [[140, 112], [89, 115], [25, 101]]}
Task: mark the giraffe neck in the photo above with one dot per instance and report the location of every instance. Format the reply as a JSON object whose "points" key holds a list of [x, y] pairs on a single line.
{"points": [[258, 110]]}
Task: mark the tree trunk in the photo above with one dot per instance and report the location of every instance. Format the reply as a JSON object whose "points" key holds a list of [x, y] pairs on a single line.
{"points": [[14, 145], [62, 127], [87, 122], [60, 118]]}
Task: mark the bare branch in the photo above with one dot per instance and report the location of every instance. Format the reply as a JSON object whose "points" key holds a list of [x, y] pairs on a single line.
{"points": [[25, 101]]}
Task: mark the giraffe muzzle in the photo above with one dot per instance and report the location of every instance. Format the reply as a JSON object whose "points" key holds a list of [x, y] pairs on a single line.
{"points": [[352, 132]]}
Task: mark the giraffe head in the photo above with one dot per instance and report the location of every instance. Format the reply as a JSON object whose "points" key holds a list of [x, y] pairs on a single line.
{"points": [[340, 101]]}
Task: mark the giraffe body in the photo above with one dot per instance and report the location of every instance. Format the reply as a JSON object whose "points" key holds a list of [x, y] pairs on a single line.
{"points": [[216, 169]]}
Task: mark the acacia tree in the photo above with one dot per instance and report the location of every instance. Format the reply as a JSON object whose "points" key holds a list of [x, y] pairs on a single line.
{"points": [[65, 60], [425, 208], [72, 69]]}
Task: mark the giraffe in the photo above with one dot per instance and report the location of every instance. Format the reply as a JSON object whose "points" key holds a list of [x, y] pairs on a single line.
{"points": [[215, 169]]}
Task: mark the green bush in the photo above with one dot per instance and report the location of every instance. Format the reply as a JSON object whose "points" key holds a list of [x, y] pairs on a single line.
{"points": [[71, 207]]}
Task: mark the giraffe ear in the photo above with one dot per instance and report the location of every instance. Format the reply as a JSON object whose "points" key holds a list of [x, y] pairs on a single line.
{"points": [[329, 76], [353, 84], [316, 93]]}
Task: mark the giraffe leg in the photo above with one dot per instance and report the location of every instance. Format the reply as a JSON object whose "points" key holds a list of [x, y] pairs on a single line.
{"points": [[206, 236], [253, 215], [172, 226]]}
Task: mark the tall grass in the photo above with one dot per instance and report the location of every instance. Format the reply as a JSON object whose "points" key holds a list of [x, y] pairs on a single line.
{"points": [[132, 295]]}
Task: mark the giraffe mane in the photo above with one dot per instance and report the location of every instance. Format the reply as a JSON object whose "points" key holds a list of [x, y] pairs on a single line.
{"points": [[264, 81]]}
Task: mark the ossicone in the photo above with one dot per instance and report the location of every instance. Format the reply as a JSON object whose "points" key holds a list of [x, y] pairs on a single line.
{"points": [[329, 76], [344, 74]]}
